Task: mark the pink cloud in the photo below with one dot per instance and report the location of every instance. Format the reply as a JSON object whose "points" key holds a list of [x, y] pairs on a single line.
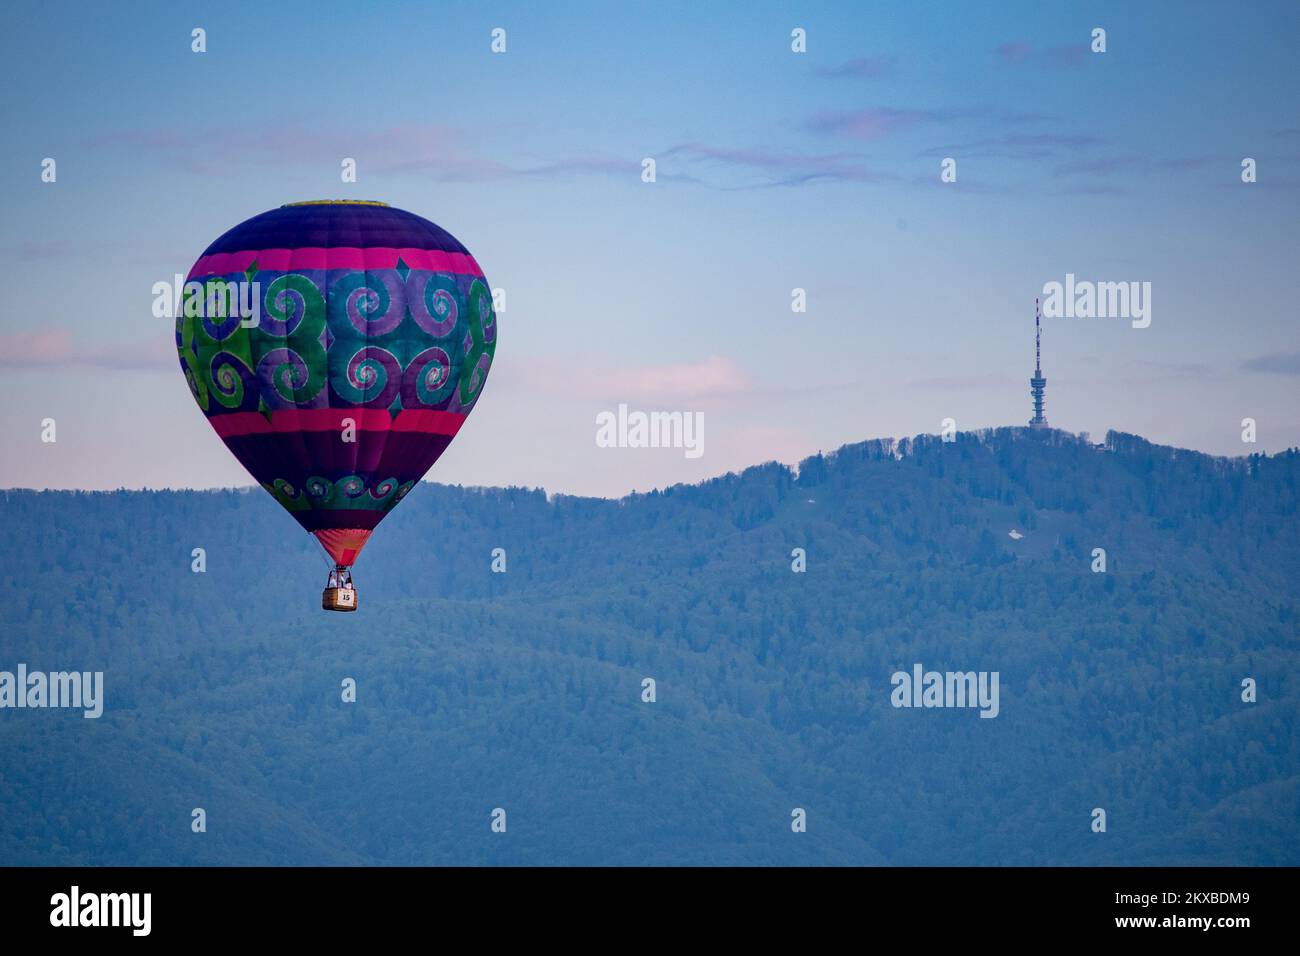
{"points": [[46, 347], [715, 375], [756, 444], [665, 385], [869, 124], [1014, 51], [59, 347], [1019, 53]]}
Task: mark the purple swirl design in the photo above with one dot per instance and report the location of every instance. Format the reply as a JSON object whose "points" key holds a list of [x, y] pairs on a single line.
{"points": [[229, 376], [283, 312], [282, 373], [488, 318], [476, 379], [285, 488], [434, 301], [479, 375], [383, 489], [427, 379], [219, 316], [363, 302], [375, 375]]}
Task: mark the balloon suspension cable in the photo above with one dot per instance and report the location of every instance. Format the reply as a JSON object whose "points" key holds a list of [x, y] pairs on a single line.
{"points": [[324, 555], [330, 563]]}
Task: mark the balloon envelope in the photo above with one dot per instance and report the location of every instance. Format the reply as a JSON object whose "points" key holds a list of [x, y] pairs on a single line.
{"points": [[336, 347]]}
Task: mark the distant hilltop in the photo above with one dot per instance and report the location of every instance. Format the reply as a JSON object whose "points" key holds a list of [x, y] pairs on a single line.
{"points": [[869, 450]]}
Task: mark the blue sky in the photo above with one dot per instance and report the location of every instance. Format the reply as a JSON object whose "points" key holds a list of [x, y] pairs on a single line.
{"points": [[776, 170]]}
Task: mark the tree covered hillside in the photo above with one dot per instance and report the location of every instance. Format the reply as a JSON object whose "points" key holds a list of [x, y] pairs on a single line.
{"points": [[522, 690]]}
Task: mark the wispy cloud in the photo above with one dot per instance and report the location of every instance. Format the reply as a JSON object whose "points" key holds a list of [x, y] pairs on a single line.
{"points": [[1014, 52], [441, 152], [1131, 162], [725, 167], [1090, 189], [879, 122], [1023, 53], [32, 250], [869, 124], [1053, 140], [716, 375], [445, 154], [780, 167], [28, 250], [962, 382], [1283, 364], [1069, 55], [589, 163], [1166, 371], [1025, 146], [865, 68]]}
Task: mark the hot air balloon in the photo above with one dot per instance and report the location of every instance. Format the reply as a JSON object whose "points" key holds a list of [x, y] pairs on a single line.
{"points": [[336, 347]]}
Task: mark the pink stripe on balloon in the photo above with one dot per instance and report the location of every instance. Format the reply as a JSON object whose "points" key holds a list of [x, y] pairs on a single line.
{"points": [[427, 421], [430, 421], [342, 257]]}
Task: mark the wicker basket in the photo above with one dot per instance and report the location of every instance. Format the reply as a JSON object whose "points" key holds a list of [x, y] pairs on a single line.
{"points": [[339, 599]]}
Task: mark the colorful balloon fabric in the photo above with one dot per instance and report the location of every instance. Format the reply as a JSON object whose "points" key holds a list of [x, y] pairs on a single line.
{"points": [[370, 339]]}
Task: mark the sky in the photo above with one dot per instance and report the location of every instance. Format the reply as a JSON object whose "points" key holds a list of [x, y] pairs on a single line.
{"points": [[775, 170]]}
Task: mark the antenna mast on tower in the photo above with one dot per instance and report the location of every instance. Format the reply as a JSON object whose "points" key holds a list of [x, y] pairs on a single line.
{"points": [[1038, 384]]}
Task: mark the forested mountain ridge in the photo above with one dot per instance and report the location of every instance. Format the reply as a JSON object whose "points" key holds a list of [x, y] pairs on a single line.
{"points": [[522, 690]]}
